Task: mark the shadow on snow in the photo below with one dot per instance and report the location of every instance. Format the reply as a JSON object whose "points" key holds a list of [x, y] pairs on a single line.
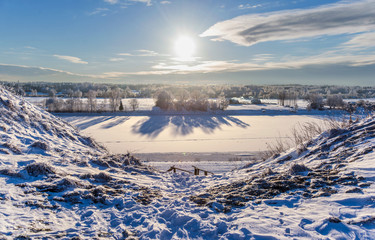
{"points": [[184, 125], [106, 121]]}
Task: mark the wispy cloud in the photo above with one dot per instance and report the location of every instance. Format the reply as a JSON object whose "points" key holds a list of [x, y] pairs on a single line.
{"points": [[148, 2], [326, 60], [125, 2], [71, 59], [141, 53], [111, 1], [340, 18], [125, 54], [364, 40], [165, 2], [116, 59], [262, 57], [31, 48], [248, 6], [22, 70], [147, 53], [101, 11]]}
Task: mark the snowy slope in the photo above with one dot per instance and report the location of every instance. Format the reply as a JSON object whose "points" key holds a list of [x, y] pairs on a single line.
{"points": [[58, 184], [25, 128], [322, 190]]}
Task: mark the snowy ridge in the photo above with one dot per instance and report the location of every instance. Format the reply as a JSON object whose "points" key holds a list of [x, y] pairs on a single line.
{"points": [[25, 128], [51, 175], [324, 190]]}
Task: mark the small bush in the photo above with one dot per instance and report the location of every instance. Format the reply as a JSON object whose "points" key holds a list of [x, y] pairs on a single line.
{"points": [[102, 177], [36, 169], [41, 145], [298, 168]]}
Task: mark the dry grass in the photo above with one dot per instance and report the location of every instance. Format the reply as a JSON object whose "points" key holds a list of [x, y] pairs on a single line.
{"points": [[301, 136]]}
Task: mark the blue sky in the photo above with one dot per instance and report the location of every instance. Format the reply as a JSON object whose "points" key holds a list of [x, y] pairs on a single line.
{"points": [[229, 41]]}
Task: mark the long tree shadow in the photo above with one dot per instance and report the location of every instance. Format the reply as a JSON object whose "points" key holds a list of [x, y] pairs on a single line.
{"points": [[152, 127], [83, 123], [107, 121], [184, 125], [114, 122]]}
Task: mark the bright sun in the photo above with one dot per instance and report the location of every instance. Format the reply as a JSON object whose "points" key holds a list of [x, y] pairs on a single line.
{"points": [[184, 48]]}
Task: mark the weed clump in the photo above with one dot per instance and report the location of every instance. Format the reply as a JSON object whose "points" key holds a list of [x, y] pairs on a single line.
{"points": [[41, 145], [36, 169], [298, 168]]}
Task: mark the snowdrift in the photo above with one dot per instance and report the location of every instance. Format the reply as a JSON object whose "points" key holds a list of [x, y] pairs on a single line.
{"points": [[57, 184]]}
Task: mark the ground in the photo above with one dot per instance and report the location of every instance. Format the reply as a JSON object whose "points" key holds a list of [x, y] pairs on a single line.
{"points": [[58, 184]]}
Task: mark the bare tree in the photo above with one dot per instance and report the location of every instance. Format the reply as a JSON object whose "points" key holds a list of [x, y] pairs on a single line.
{"points": [[315, 101], [334, 101], [115, 98], [134, 104], [281, 98], [91, 100], [164, 100]]}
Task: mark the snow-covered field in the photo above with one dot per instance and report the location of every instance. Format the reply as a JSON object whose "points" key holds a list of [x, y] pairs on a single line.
{"points": [[241, 128], [57, 184], [152, 134]]}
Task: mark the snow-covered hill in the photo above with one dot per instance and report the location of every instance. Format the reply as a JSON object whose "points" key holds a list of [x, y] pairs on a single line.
{"points": [[324, 189], [57, 184], [27, 129]]}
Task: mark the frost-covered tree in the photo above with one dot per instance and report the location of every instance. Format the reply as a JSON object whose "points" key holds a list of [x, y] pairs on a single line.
{"points": [[315, 100], [164, 100], [91, 100], [115, 98], [334, 101], [134, 104], [223, 102]]}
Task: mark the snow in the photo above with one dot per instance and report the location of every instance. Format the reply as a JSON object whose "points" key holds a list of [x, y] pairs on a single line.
{"points": [[187, 133], [83, 191]]}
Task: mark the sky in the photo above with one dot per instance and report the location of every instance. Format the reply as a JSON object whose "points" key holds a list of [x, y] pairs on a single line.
{"points": [[188, 41]]}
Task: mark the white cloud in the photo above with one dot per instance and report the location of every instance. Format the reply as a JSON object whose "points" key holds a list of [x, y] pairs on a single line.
{"points": [[334, 19], [262, 57], [148, 2], [116, 59], [71, 59], [125, 2], [125, 54], [147, 53], [326, 59], [165, 2], [141, 53], [22, 70], [248, 6], [111, 1], [99, 11], [31, 48], [364, 40]]}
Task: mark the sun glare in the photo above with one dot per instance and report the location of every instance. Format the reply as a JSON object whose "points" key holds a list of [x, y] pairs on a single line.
{"points": [[184, 48]]}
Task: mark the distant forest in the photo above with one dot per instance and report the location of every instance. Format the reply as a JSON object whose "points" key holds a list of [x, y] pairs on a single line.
{"points": [[83, 97], [103, 90]]}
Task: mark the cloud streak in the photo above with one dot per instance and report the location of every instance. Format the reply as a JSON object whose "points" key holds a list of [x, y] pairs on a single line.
{"points": [[334, 19], [148, 2], [141, 53], [71, 59]]}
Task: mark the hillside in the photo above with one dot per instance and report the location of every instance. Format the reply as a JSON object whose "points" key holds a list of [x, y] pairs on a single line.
{"points": [[56, 183]]}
